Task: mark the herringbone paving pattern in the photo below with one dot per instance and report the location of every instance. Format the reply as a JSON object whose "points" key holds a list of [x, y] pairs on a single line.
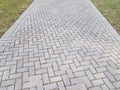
{"points": [[60, 45]]}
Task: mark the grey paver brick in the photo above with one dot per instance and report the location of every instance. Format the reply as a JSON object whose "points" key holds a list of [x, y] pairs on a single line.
{"points": [[41, 71], [4, 68], [25, 69], [13, 69], [77, 87], [95, 88], [45, 78], [61, 86], [51, 71], [55, 79], [101, 69], [93, 70], [37, 65], [62, 72], [3, 88], [6, 75], [14, 76], [10, 87], [79, 74], [31, 70], [66, 80], [33, 81], [28, 64], [99, 75], [117, 77], [55, 66], [117, 84], [1, 73], [25, 76], [109, 84], [20, 64], [89, 74], [111, 78], [97, 82], [81, 80], [7, 83], [11, 63], [33, 88], [104, 87], [50, 86], [18, 84]]}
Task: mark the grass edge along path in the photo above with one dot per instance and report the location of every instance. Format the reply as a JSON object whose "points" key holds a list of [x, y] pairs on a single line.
{"points": [[111, 10], [10, 10]]}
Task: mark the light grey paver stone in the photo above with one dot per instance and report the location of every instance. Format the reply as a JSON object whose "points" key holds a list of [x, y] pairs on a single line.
{"points": [[6, 75], [99, 75], [8, 82], [97, 82], [18, 84], [117, 84], [50, 86], [109, 84], [89, 74], [3, 88], [104, 87], [33, 81], [61, 86], [55, 79], [77, 87], [81, 80], [15, 76], [45, 78], [10, 87], [96, 88]]}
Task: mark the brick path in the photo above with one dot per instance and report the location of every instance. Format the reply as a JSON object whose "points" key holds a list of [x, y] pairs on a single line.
{"points": [[60, 45]]}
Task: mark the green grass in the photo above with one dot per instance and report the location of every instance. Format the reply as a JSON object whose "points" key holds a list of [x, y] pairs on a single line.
{"points": [[10, 11], [111, 10]]}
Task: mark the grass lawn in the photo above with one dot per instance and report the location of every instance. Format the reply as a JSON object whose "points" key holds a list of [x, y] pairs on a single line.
{"points": [[111, 10], [10, 11]]}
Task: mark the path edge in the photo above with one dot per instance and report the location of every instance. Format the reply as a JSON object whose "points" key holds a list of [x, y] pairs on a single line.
{"points": [[13, 29]]}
